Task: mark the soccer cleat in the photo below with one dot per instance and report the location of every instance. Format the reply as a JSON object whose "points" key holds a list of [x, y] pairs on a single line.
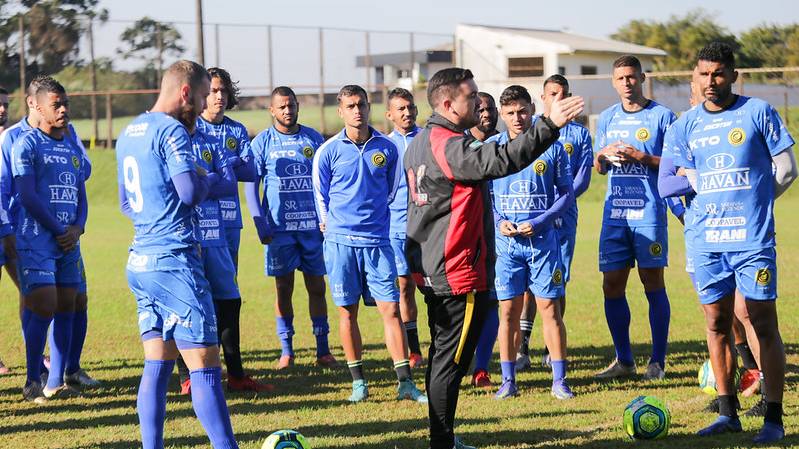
{"points": [[722, 424], [81, 379], [654, 372], [360, 391], [407, 390], [758, 409], [460, 445], [481, 379], [32, 392], [507, 390], [750, 383], [770, 433], [416, 360], [616, 369], [4, 369], [185, 387], [522, 362], [63, 391], [285, 361], [247, 383], [327, 361], [561, 390], [713, 405], [546, 360]]}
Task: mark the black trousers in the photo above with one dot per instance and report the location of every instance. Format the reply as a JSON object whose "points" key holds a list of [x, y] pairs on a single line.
{"points": [[455, 325]]}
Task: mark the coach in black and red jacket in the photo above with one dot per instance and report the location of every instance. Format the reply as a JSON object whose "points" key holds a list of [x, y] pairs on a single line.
{"points": [[450, 244]]}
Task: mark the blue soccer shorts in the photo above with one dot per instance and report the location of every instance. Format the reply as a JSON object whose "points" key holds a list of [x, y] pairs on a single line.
{"points": [[568, 240], [172, 296], [753, 273], [354, 272], [233, 237], [220, 272], [82, 286], [690, 234], [295, 250], [623, 246], [529, 263], [398, 246], [38, 268]]}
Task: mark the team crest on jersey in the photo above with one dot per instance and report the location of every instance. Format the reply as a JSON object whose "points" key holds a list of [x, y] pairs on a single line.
{"points": [[642, 135], [763, 277], [207, 156], [540, 167], [569, 148], [557, 276], [307, 152], [736, 136], [379, 159], [230, 143], [75, 162], [655, 249]]}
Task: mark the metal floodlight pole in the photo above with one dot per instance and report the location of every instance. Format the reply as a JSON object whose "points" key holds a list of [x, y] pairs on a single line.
{"points": [[200, 40], [22, 82], [368, 63], [216, 44], [93, 73], [322, 81], [269, 59]]}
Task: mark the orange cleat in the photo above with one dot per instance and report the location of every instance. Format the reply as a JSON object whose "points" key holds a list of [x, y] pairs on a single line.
{"points": [[481, 379], [416, 360], [185, 387], [247, 383], [285, 361], [327, 361]]}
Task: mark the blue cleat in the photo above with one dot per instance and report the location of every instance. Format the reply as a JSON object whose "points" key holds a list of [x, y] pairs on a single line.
{"points": [[770, 433], [359, 391], [460, 445], [507, 390], [561, 390], [407, 390], [722, 424]]}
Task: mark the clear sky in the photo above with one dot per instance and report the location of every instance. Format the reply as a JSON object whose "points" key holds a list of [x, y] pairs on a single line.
{"points": [[295, 58]]}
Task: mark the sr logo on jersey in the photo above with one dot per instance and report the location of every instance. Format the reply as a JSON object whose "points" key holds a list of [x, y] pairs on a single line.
{"points": [[207, 156], [763, 277], [379, 160], [230, 144], [75, 162], [569, 148], [642, 135], [655, 249], [307, 152], [557, 276], [540, 167], [736, 136]]}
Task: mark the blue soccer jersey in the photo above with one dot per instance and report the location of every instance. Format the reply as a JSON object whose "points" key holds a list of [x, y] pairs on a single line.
{"points": [[731, 151], [284, 163], [632, 197], [231, 136], [209, 227], [525, 195], [399, 206], [353, 186], [576, 141], [7, 191], [150, 151], [57, 166]]}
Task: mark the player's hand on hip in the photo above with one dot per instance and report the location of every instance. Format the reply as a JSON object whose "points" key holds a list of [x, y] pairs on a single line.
{"points": [[69, 239], [526, 229], [565, 110], [507, 228]]}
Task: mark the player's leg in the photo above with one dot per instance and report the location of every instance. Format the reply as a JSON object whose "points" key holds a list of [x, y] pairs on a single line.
{"points": [[74, 374], [512, 278], [485, 348], [284, 318], [510, 310], [159, 360], [651, 252], [525, 332], [312, 265], [616, 258], [408, 309], [748, 347], [60, 341], [3, 369]]}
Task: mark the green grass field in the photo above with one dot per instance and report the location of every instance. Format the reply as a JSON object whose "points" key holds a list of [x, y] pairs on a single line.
{"points": [[313, 401]]}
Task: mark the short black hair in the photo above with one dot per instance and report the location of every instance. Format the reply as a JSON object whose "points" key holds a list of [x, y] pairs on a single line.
{"points": [[557, 79], [628, 61], [48, 84], [513, 94], [3, 91], [445, 82], [486, 96], [399, 92], [231, 87], [351, 90], [34, 85], [284, 91], [717, 51]]}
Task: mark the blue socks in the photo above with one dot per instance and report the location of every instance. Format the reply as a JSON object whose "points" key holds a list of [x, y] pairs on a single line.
{"points": [[488, 335], [210, 407], [508, 370], [617, 314], [659, 317], [79, 326], [320, 331], [558, 370], [35, 338], [285, 332], [151, 402], [60, 340]]}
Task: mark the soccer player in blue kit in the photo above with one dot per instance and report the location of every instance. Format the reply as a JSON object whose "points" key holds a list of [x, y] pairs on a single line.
{"points": [[286, 222], [738, 157], [401, 111], [629, 140], [526, 205], [159, 185], [354, 180], [5, 225], [231, 135], [49, 181]]}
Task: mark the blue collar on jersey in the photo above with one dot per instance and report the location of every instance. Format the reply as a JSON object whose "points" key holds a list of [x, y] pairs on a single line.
{"points": [[411, 133], [372, 134]]}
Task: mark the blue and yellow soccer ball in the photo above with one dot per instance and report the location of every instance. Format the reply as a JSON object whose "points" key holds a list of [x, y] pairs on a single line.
{"points": [[707, 380], [647, 418], [286, 439]]}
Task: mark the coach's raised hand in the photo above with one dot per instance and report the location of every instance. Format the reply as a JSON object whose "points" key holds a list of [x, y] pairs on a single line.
{"points": [[565, 110]]}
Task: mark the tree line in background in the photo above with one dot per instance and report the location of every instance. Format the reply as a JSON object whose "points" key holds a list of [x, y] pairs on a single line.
{"points": [[53, 30]]}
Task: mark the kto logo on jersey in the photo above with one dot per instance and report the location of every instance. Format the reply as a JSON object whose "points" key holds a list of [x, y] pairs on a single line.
{"points": [[736, 136], [763, 277], [720, 161], [296, 169], [642, 134], [54, 159], [618, 134], [655, 249], [540, 167], [522, 187], [67, 178], [231, 144], [207, 157], [307, 152], [569, 148], [379, 160], [702, 142]]}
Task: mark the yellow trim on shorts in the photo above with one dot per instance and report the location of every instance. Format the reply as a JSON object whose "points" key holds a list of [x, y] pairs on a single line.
{"points": [[467, 321]]}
